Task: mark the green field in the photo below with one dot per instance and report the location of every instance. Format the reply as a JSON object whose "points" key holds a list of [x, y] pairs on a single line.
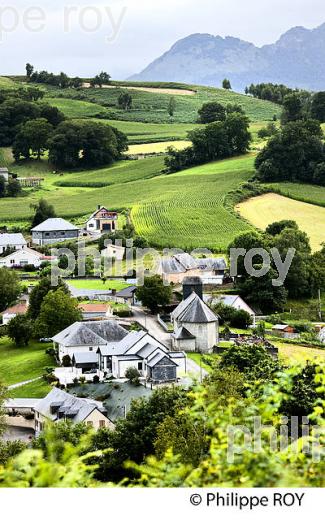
{"points": [[302, 192], [78, 109], [7, 83], [37, 390], [184, 210], [98, 284], [151, 107], [20, 364]]}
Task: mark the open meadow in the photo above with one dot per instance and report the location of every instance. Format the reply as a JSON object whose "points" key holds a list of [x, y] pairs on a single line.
{"points": [[271, 207]]}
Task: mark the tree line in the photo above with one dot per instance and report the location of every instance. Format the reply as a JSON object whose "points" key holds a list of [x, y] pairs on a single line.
{"points": [[296, 152], [62, 80], [225, 134]]}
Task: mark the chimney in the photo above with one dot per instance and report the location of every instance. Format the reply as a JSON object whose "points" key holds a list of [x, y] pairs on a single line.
{"points": [[192, 284]]}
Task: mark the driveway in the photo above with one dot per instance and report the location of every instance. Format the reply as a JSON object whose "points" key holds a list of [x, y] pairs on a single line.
{"points": [[150, 323]]}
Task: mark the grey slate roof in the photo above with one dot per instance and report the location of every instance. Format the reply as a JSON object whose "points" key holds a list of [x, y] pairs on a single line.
{"points": [[194, 310], [178, 263], [81, 408], [183, 333], [215, 264], [55, 224], [12, 239], [121, 347], [127, 292], [85, 357], [90, 333], [158, 357]]}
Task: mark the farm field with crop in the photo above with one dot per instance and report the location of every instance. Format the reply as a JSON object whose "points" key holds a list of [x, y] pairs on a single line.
{"points": [[271, 207], [152, 107], [300, 192], [150, 148]]}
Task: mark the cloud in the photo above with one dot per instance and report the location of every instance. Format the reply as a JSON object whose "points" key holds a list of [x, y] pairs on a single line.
{"points": [[123, 36]]}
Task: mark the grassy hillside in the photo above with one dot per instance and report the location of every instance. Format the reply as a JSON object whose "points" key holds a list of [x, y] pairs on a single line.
{"points": [[302, 192], [180, 210], [151, 107], [7, 83]]}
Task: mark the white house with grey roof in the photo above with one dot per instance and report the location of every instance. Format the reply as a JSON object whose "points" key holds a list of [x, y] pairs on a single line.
{"points": [[196, 327], [87, 337], [175, 268], [54, 230], [13, 241], [110, 348], [236, 302], [59, 406]]}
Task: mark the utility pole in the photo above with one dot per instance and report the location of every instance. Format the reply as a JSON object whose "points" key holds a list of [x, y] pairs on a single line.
{"points": [[320, 305]]}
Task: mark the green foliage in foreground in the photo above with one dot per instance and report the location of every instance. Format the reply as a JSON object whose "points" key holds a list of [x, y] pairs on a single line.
{"points": [[198, 439]]}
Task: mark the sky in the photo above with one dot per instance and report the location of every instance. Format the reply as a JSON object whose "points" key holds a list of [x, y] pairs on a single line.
{"points": [[123, 36]]}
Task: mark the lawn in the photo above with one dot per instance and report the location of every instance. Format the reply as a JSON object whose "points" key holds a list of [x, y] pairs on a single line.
{"points": [[271, 207], [294, 354], [199, 359], [97, 284], [37, 389], [301, 192], [20, 364], [72, 108]]}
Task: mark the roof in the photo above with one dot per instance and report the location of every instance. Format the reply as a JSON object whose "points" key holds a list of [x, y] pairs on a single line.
{"points": [[68, 404], [183, 333], [127, 292], [85, 357], [94, 307], [215, 264], [281, 327], [21, 403], [179, 263], [230, 299], [121, 347], [194, 310], [55, 224], [158, 357], [101, 208], [91, 333], [20, 308], [25, 251], [12, 239]]}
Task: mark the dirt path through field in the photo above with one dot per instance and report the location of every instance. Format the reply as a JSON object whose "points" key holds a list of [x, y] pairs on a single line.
{"points": [[170, 91]]}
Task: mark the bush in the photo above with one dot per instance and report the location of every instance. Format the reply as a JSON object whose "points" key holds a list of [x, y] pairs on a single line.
{"points": [[133, 375], [66, 361], [96, 380]]}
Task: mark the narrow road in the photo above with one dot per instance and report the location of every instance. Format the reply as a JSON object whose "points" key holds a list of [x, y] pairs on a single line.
{"points": [[150, 323], [23, 383]]}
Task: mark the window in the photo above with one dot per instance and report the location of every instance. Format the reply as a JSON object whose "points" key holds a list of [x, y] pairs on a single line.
{"points": [[91, 349], [140, 365], [12, 261], [102, 424], [90, 423], [47, 234]]}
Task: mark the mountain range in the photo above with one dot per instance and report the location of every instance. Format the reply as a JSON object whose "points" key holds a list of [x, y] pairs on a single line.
{"points": [[297, 59]]}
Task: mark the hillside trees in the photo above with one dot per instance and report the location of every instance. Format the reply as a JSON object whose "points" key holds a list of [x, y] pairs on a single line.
{"points": [[295, 153], [10, 288], [226, 84], [171, 106], [215, 141], [125, 101], [20, 330], [269, 92], [154, 293], [91, 144], [38, 294], [31, 139], [317, 110], [58, 311], [43, 211]]}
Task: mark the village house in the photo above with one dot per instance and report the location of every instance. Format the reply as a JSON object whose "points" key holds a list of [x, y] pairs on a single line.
{"points": [[54, 230], [95, 311], [127, 295], [284, 331], [117, 350], [236, 302], [196, 327], [102, 221], [12, 241], [115, 252], [60, 406], [15, 310], [23, 257], [175, 268]]}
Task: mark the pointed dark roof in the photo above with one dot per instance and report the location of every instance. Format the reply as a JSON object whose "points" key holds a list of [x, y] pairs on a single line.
{"points": [[183, 333], [194, 310]]}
